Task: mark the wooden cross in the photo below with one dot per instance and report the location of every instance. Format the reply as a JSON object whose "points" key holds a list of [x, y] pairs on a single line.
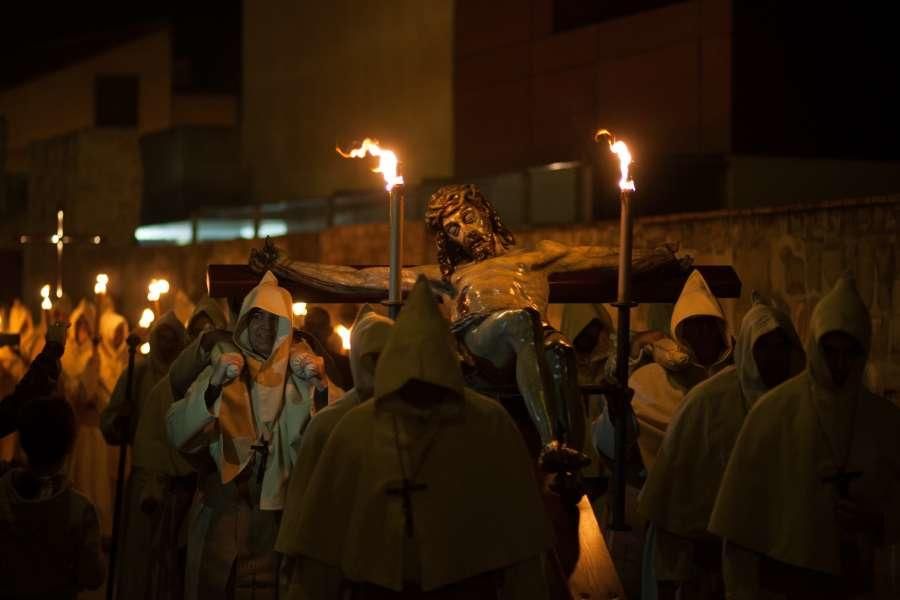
{"points": [[406, 489], [841, 482], [58, 239]]}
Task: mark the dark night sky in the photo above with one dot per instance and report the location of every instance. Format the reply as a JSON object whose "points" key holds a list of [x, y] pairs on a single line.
{"points": [[38, 37]]}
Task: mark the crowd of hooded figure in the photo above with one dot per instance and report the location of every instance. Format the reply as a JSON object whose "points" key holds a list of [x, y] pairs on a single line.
{"points": [[258, 470]]}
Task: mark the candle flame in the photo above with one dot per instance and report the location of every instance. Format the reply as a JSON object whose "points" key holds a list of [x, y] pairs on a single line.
{"points": [[146, 318], [45, 291], [344, 334], [299, 309], [102, 278], [145, 348], [157, 288], [46, 304], [619, 148], [387, 161]]}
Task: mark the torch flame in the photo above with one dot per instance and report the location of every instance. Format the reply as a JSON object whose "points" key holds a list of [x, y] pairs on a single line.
{"points": [[147, 318], [344, 334], [100, 285], [387, 161], [619, 148]]}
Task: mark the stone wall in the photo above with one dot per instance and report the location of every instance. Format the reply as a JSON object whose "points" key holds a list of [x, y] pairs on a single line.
{"points": [[793, 254], [312, 80]]}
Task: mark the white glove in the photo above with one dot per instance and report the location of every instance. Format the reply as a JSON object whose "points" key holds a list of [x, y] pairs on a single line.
{"points": [[227, 368], [308, 367]]}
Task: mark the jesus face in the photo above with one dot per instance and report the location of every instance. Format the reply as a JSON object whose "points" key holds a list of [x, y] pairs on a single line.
{"points": [[471, 230]]}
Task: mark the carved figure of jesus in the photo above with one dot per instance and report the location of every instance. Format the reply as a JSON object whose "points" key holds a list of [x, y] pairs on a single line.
{"points": [[498, 295]]}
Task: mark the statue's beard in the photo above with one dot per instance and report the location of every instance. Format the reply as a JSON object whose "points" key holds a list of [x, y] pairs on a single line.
{"points": [[479, 247]]}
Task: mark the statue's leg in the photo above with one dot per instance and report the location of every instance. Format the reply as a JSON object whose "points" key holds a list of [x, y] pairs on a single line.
{"points": [[511, 335], [570, 417]]}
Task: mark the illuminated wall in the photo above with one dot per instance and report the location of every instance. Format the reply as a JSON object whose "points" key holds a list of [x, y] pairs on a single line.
{"points": [[321, 73], [62, 102], [528, 91]]}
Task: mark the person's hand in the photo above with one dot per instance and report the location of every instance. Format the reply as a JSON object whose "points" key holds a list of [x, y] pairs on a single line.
{"points": [[227, 368], [56, 332], [308, 367]]}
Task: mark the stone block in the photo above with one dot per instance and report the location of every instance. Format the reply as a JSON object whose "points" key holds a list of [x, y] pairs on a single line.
{"points": [[866, 269], [813, 273], [832, 265]]}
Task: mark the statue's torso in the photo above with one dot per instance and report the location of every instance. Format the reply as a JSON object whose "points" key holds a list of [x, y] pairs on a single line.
{"points": [[500, 283]]}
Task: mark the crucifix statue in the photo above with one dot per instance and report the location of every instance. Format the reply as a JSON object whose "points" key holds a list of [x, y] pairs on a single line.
{"points": [[498, 296], [59, 239]]}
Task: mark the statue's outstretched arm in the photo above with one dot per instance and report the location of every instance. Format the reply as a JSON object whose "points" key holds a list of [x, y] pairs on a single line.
{"points": [[338, 278], [558, 257]]}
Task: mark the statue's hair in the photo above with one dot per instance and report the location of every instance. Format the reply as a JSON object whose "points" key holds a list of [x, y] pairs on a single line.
{"points": [[450, 198]]}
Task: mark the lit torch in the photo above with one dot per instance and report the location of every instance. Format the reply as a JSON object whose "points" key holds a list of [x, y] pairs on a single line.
{"points": [[387, 166], [344, 334], [623, 304], [155, 290], [100, 284], [46, 303], [147, 318], [299, 311]]}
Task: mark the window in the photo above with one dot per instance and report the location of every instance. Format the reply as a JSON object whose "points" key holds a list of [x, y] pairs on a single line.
{"points": [[116, 101], [572, 14]]}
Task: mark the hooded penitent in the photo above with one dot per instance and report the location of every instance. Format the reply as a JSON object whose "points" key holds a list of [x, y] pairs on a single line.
{"points": [[368, 336], [778, 495], [480, 510], [76, 356], [659, 392], [258, 405], [120, 418], [119, 423], [30, 339], [575, 318], [152, 450], [196, 357], [679, 493], [113, 359]]}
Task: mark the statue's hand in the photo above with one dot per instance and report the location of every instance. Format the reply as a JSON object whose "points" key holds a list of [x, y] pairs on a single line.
{"points": [[265, 258]]}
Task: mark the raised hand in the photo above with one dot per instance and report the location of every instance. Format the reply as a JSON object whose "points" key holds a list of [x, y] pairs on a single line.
{"points": [[227, 368], [56, 332], [308, 367]]}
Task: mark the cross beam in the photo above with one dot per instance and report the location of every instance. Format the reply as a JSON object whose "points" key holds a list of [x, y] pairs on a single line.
{"points": [[592, 285], [58, 239]]}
